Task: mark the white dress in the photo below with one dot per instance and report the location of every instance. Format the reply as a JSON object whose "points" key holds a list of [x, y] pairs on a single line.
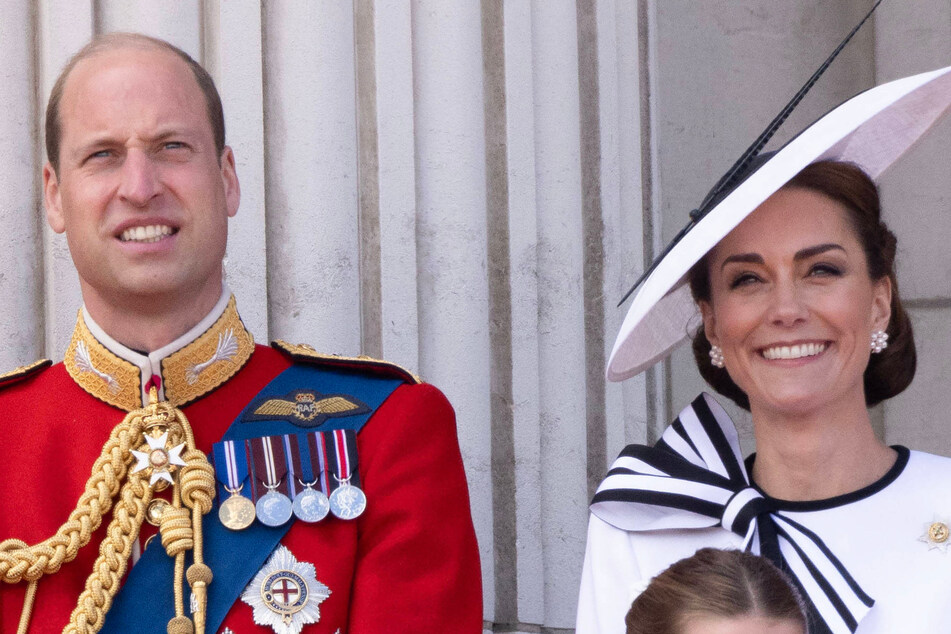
{"points": [[879, 533]]}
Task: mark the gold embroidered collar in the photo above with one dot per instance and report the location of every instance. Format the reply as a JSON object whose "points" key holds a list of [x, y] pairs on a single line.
{"points": [[191, 366]]}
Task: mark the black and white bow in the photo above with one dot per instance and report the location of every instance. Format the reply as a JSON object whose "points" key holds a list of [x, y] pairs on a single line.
{"points": [[694, 477]]}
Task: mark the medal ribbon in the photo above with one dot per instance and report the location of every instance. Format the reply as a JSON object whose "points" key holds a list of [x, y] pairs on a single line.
{"points": [[345, 455], [231, 466], [299, 469], [306, 462], [268, 465], [318, 450], [293, 470]]}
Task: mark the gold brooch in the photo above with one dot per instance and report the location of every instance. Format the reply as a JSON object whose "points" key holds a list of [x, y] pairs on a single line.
{"points": [[937, 535]]}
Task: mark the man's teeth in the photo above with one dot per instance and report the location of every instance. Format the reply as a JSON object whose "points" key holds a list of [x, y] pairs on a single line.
{"points": [[151, 233], [794, 352]]}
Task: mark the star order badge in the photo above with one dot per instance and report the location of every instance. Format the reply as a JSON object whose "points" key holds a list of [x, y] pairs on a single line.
{"points": [[937, 534], [285, 594], [160, 458]]}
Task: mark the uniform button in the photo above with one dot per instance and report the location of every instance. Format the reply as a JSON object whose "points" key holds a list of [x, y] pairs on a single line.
{"points": [[155, 511]]}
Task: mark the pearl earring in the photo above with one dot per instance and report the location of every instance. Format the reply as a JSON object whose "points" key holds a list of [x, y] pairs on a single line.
{"points": [[879, 341], [716, 356]]}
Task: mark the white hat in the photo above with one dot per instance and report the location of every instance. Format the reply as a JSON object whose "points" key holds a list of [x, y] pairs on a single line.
{"points": [[871, 130]]}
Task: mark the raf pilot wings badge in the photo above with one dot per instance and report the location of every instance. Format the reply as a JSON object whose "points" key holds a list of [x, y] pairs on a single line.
{"points": [[304, 408]]}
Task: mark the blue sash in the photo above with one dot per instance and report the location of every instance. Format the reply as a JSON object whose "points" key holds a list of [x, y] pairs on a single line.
{"points": [[145, 602]]}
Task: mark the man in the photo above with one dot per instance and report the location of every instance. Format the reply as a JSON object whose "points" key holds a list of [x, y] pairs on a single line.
{"points": [[142, 184]]}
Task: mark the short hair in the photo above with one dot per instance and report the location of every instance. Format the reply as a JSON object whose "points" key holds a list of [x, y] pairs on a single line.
{"points": [[719, 583], [113, 41], [889, 372]]}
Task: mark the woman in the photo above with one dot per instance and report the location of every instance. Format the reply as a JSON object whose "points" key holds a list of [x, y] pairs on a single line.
{"points": [[718, 592], [793, 274]]}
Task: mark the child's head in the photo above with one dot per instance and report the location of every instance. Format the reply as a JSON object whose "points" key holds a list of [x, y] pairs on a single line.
{"points": [[719, 592]]}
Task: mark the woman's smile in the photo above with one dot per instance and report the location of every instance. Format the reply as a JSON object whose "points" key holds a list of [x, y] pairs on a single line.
{"points": [[793, 351]]}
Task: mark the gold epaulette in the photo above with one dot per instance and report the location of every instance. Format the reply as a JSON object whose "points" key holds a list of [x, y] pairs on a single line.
{"points": [[23, 371], [306, 354]]}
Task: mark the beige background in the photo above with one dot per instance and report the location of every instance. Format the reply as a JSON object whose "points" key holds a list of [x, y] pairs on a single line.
{"points": [[467, 188]]}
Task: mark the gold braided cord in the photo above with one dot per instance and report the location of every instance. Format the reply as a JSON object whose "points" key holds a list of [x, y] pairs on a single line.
{"points": [[176, 529], [29, 563], [102, 585], [197, 482], [181, 529], [27, 607], [28, 598]]}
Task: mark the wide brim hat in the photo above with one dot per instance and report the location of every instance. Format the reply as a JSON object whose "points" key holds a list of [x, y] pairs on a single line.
{"points": [[871, 130]]}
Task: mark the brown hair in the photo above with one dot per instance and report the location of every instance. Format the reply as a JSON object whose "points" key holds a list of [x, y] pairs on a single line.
{"points": [[889, 372], [713, 582], [110, 42]]}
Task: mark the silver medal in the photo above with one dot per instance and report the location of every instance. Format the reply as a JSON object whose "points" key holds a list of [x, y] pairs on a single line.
{"points": [[274, 509], [311, 505], [347, 501]]}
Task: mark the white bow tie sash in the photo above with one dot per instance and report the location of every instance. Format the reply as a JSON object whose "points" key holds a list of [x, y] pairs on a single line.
{"points": [[694, 477]]}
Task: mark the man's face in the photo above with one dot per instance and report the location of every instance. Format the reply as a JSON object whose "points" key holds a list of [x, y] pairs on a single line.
{"points": [[140, 191]]}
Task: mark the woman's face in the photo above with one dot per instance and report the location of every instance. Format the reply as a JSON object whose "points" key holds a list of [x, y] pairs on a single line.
{"points": [[792, 305], [740, 625]]}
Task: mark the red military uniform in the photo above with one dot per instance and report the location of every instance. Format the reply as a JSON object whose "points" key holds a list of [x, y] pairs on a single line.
{"points": [[408, 564]]}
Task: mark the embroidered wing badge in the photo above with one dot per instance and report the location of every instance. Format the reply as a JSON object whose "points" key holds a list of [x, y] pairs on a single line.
{"points": [[225, 351], [305, 408], [84, 362]]}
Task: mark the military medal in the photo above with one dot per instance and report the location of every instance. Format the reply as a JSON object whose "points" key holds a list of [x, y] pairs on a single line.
{"points": [[270, 468], [308, 458], [285, 594], [311, 505], [237, 512], [347, 501], [273, 508], [231, 468]]}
